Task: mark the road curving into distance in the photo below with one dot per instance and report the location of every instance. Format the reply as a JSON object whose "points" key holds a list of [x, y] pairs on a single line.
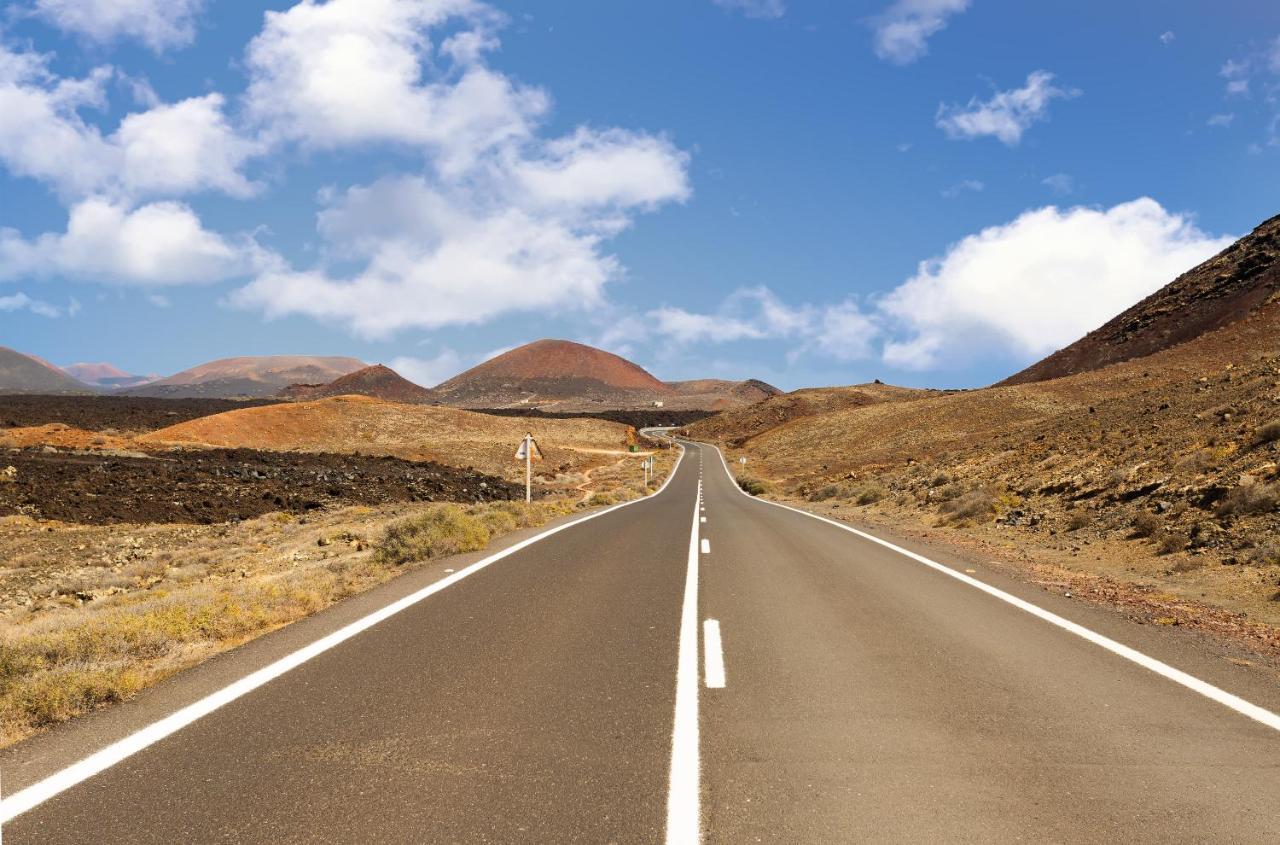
{"points": [[697, 665]]}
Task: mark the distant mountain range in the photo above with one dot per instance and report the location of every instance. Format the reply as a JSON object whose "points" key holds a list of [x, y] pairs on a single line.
{"points": [[553, 375], [253, 377], [106, 376]]}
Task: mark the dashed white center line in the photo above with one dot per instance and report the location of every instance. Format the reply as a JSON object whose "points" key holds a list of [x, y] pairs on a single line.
{"points": [[706, 546], [702, 518], [713, 655]]}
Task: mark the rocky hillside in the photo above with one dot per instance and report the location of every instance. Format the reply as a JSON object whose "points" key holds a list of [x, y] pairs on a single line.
{"points": [[21, 373], [377, 381], [1219, 292], [251, 376]]}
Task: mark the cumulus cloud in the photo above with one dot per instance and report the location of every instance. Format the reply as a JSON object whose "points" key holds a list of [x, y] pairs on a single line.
{"points": [[166, 150], [767, 9], [156, 245], [352, 72], [842, 331], [903, 30], [500, 220], [1038, 283], [21, 302], [1007, 114], [159, 24]]}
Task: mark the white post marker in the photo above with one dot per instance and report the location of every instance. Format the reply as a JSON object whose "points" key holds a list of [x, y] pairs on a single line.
{"points": [[528, 452]]}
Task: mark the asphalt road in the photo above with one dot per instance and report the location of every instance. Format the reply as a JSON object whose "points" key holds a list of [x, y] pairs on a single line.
{"points": [[865, 698]]}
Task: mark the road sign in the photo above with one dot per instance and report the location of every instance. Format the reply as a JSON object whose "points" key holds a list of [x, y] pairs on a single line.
{"points": [[528, 449], [528, 452], [742, 460]]}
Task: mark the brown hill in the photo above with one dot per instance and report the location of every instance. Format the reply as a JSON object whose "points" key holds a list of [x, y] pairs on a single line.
{"points": [[348, 424], [377, 381], [564, 376], [553, 372], [20, 373], [252, 376], [1224, 289]]}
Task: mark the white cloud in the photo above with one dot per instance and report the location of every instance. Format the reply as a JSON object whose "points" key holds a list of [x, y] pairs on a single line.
{"points": [[1008, 114], [429, 372], [183, 147], [1062, 184], [1222, 121], [352, 72], [974, 185], [903, 30], [155, 245], [159, 24], [1167, 37], [20, 301], [168, 149], [500, 221], [767, 9], [1038, 283]]}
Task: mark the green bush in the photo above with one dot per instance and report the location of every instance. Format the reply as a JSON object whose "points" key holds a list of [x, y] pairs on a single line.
{"points": [[753, 486]]}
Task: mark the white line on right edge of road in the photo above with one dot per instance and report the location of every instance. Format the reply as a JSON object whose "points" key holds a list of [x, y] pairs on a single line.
{"points": [[684, 803], [103, 759], [713, 654], [1191, 682]]}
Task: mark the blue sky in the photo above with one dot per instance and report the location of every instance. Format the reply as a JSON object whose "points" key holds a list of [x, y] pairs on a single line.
{"points": [[931, 192]]}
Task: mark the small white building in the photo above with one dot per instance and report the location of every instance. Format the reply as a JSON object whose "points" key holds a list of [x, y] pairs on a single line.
{"points": [[657, 403]]}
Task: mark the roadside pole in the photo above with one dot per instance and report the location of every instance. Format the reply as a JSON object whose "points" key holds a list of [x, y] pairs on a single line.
{"points": [[528, 452]]}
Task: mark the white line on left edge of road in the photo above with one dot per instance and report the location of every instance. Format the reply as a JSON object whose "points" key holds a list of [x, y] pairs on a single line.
{"points": [[1191, 682], [712, 654], [684, 806], [103, 759]]}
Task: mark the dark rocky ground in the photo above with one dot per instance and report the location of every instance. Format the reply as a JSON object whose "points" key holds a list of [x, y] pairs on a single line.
{"points": [[119, 413], [219, 485]]}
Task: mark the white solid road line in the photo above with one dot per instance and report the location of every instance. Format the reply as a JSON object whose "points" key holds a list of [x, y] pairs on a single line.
{"points": [[713, 654], [684, 806], [41, 791], [1191, 682], [706, 546]]}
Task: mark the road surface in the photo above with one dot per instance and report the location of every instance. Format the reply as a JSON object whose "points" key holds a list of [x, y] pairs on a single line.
{"points": [[700, 665]]}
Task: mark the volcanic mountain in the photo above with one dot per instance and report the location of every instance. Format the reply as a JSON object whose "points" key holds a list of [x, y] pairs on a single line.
{"points": [[255, 377], [20, 373], [553, 372], [561, 375], [1226, 288], [105, 375], [377, 381]]}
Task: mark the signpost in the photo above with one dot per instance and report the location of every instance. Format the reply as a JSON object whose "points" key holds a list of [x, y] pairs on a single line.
{"points": [[647, 464], [528, 452]]}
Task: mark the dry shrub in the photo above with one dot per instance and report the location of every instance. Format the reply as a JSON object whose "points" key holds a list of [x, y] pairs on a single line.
{"points": [[1174, 541], [1266, 554], [1268, 433], [1078, 520], [871, 494], [976, 505], [822, 494], [445, 530], [752, 486], [1146, 524], [1248, 498]]}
